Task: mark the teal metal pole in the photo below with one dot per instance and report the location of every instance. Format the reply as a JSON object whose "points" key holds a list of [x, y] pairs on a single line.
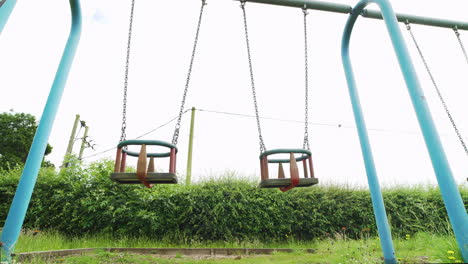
{"points": [[451, 196], [6, 7], [19, 206], [372, 179]]}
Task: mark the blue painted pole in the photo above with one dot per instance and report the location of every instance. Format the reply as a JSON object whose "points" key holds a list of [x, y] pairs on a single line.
{"points": [[373, 181], [6, 7], [451, 196], [19, 206]]}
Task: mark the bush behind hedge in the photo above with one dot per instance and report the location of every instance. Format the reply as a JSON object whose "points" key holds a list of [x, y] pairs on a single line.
{"points": [[82, 200]]}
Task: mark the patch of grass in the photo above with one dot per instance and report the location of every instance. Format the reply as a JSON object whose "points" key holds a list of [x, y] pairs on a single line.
{"points": [[31, 241], [51, 240], [428, 246], [417, 248]]}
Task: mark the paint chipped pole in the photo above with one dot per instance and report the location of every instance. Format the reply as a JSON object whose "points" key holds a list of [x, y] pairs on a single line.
{"points": [[19, 206], [451, 196], [6, 7], [71, 142], [188, 178], [83, 142]]}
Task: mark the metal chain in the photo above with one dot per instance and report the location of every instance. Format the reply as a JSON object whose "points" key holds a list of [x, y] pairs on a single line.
{"points": [[306, 121], [127, 64], [254, 94], [439, 94], [179, 118], [461, 43]]}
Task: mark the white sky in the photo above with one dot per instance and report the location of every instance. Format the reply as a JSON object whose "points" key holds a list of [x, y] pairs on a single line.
{"points": [[32, 42]]}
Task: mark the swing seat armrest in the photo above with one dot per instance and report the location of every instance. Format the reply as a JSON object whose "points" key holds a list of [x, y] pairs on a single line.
{"points": [[306, 154]]}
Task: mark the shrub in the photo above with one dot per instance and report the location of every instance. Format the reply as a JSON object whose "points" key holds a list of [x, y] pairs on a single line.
{"points": [[81, 200]]}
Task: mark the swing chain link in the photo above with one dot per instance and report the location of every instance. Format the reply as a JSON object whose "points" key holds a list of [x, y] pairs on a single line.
{"points": [[306, 121], [254, 94], [127, 64], [175, 137], [439, 94], [461, 43]]}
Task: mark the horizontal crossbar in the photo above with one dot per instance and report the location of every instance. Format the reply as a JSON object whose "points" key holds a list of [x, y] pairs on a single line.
{"points": [[347, 9]]}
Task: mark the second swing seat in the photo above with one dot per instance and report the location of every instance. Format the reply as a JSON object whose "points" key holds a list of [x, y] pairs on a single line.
{"points": [[283, 183]]}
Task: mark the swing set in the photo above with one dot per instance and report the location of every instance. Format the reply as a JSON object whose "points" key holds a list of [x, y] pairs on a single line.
{"points": [[145, 171]]}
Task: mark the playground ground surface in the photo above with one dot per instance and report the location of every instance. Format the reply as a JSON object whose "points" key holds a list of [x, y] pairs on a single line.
{"points": [[414, 248]]}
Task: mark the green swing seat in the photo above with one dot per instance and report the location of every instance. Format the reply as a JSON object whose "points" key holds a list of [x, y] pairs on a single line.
{"points": [[282, 182], [151, 177]]}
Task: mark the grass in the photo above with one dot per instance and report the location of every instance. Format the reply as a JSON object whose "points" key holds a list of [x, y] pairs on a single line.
{"points": [[31, 241], [420, 248]]}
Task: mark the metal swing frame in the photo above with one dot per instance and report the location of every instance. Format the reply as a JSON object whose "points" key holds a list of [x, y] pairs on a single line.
{"points": [[452, 199], [6, 8], [19, 206]]}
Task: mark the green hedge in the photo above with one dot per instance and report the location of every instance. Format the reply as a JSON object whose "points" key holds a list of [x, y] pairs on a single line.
{"points": [[83, 200]]}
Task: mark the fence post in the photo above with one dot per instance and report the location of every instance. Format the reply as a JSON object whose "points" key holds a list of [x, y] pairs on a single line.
{"points": [[190, 149]]}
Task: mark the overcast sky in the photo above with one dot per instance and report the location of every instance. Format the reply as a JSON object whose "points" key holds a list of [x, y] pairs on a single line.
{"points": [[32, 42]]}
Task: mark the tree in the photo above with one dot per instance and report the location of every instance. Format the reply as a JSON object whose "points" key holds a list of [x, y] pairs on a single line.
{"points": [[16, 135]]}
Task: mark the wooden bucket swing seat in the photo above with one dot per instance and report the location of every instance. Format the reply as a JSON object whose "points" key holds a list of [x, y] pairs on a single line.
{"points": [[282, 182], [304, 155], [145, 171]]}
